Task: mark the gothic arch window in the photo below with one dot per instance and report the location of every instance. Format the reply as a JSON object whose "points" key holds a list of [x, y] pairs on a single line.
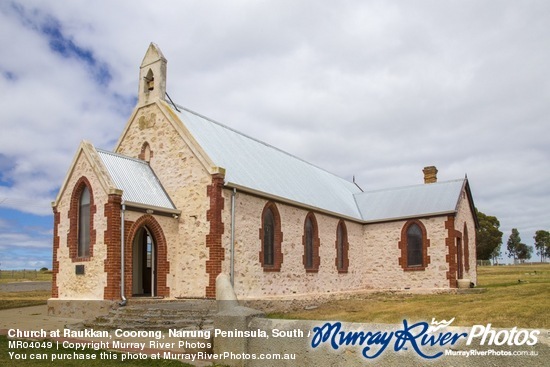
{"points": [[271, 237], [149, 81], [414, 246], [466, 245], [82, 235], [342, 247], [311, 244], [146, 152], [84, 223]]}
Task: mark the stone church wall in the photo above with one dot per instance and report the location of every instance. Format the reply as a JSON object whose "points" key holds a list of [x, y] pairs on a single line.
{"points": [[89, 285], [185, 180], [251, 281], [385, 272]]}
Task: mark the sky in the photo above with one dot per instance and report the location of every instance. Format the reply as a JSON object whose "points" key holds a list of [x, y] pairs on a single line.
{"points": [[374, 90]]}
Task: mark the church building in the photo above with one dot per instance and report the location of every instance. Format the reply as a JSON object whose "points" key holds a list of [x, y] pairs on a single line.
{"points": [[182, 199]]}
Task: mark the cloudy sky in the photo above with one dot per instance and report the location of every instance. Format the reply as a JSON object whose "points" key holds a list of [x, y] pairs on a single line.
{"points": [[371, 89]]}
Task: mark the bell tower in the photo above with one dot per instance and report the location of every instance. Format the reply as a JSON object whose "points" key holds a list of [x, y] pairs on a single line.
{"points": [[152, 76]]}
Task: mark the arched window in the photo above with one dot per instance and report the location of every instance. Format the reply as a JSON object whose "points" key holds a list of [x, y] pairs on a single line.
{"points": [[311, 243], [269, 237], [84, 223], [146, 152], [271, 256], [414, 246], [342, 246], [149, 81], [466, 244]]}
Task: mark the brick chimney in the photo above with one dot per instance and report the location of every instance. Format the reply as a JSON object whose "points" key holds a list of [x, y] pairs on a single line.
{"points": [[430, 174]]}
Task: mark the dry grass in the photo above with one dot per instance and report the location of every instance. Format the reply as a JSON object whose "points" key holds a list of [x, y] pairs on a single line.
{"points": [[10, 276], [506, 303], [23, 299]]}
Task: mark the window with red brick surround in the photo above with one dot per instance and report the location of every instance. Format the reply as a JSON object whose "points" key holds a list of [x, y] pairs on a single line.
{"points": [[81, 236], [271, 238], [466, 244], [414, 246], [342, 247], [311, 243]]}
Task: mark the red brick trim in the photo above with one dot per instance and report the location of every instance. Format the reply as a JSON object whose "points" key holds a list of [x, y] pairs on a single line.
{"points": [[214, 236], [112, 243], [403, 246], [314, 268], [450, 242], [55, 263], [162, 263], [72, 235], [466, 245], [277, 240], [342, 269]]}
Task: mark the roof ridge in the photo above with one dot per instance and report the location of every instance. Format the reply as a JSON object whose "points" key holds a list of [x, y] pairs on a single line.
{"points": [[260, 142], [411, 186], [121, 155]]}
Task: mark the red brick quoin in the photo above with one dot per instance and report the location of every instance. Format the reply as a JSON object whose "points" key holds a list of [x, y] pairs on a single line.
{"points": [[55, 264], [214, 237], [112, 242]]}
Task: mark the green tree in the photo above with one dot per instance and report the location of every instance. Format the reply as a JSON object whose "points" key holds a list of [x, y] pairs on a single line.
{"points": [[513, 244], [488, 237], [542, 244], [524, 252]]}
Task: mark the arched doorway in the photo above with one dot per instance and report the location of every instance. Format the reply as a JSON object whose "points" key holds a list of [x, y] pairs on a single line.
{"points": [[144, 229], [144, 264]]}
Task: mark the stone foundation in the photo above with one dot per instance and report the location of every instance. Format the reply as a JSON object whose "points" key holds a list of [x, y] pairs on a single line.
{"points": [[80, 308]]}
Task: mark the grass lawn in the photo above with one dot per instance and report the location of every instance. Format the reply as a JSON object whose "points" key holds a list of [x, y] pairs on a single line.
{"points": [[47, 353], [10, 276], [506, 303], [23, 299]]}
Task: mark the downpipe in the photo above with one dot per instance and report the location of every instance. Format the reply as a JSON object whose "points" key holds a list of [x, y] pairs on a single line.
{"points": [[124, 300]]}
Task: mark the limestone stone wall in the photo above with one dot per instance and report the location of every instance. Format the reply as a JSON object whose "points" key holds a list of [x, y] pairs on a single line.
{"points": [[91, 284], [464, 216], [250, 279], [384, 270], [185, 179]]}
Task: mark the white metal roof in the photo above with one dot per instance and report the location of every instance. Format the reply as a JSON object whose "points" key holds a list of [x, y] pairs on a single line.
{"points": [[136, 179], [252, 164], [261, 167], [410, 201]]}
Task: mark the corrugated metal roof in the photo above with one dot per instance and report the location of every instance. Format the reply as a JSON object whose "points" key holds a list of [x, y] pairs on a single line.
{"points": [[261, 167], [136, 179], [258, 166], [410, 201]]}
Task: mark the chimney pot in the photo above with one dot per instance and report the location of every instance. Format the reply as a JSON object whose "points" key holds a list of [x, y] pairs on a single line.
{"points": [[430, 174]]}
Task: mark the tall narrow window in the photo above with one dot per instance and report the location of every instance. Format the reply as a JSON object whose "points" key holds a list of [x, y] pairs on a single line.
{"points": [[414, 245], [271, 238], [342, 245], [311, 243], [84, 224]]}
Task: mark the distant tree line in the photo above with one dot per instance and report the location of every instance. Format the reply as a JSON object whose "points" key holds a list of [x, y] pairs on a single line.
{"points": [[489, 241]]}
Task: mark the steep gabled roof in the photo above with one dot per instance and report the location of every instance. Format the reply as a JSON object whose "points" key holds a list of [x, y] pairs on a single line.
{"points": [[139, 184], [260, 168]]}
